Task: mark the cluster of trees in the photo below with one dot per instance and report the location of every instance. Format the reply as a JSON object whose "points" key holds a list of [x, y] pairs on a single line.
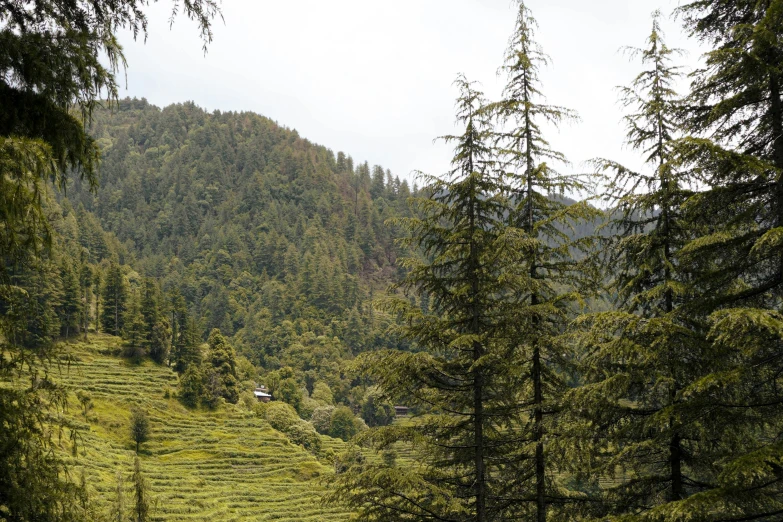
{"points": [[239, 224], [56, 61], [667, 406], [208, 379], [252, 224]]}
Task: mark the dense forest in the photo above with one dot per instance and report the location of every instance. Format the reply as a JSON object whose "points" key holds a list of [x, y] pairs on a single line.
{"points": [[277, 242], [560, 362]]}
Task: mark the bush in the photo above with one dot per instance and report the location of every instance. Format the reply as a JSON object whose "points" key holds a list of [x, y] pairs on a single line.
{"points": [[321, 419], [247, 399], [348, 459], [281, 415], [259, 408], [303, 433]]}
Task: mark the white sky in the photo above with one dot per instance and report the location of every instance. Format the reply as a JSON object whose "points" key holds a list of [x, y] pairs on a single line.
{"points": [[374, 79]]}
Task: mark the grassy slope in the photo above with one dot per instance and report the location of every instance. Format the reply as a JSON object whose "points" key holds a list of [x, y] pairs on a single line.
{"points": [[226, 465]]}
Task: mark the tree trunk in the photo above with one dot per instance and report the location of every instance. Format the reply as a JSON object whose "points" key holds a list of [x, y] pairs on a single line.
{"points": [[675, 463], [478, 379], [777, 148], [538, 417]]}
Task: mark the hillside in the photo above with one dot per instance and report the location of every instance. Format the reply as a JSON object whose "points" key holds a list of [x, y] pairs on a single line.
{"points": [[201, 465]]}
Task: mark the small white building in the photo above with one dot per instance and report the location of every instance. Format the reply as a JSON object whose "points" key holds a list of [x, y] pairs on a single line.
{"points": [[262, 396]]}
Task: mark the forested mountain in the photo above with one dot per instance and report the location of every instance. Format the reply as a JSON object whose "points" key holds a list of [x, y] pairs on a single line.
{"points": [[267, 236], [211, 252]]}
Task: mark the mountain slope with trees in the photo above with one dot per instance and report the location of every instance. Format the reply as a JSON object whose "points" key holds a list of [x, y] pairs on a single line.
{"points": [[251, 229]]}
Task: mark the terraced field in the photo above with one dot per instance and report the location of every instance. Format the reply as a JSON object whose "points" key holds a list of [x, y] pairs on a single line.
{"points": [[226, 465]]}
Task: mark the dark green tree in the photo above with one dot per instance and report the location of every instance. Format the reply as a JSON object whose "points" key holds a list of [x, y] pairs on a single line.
{"points": [[735, 111], [344, 424], [114, 300], [543, 281], [186, 349], [70, 306], [141, 508], [52, 58], [376, 411], [156, 326], [643, 356], [222, 360], [139, 427], [134, 331], [191, 386], [459, 377]]}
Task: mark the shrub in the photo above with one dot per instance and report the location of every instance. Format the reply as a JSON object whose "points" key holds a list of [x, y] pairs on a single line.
{"points": [[303, 433], [281, 416], [259, 408], [348, 459], [248, 400]]}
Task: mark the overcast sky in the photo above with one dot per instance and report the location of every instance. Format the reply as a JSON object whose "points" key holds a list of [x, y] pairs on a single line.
{"points": [[374, 78]]}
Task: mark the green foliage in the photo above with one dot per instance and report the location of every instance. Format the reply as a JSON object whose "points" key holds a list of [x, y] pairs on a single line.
{"points": [[115, 300], [281, 416], [343, 424], [321, 419], [85, 400], [191, 385], [141, 508], [156, 327], [222, 361], [322, 393], [376, 411], [289, 391], [139, 427], [33, 481], [643, 356]]}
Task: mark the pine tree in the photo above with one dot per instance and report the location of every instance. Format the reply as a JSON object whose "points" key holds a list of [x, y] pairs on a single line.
{"points": [[141, 508], [134, 331], [70, 304], [222, 360], [156, 327], [115, 301], [736, 112], [459, 377], [118, 508], [86, 274], [544, 278], [643, 356]]}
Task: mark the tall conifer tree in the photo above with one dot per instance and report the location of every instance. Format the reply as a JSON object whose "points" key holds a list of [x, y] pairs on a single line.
{"points": [[736, 112], [548, 278], [643, 359], [458, 379], [115, 301]]}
